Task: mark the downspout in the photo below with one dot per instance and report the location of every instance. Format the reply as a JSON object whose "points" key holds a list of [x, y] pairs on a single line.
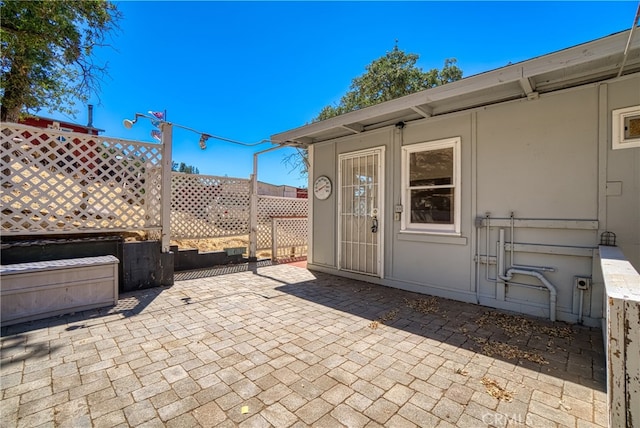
{"points": [[508, 276], [478, 225]]}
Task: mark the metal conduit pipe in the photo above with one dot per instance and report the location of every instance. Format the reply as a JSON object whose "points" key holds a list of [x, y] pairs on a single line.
{"points": [[553, 293], [478, 225], [580, 308], [508, 276]]}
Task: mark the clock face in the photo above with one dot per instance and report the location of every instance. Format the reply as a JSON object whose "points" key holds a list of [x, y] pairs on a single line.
{"points": [[322, 187]]}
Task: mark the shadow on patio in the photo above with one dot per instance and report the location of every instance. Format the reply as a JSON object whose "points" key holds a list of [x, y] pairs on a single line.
{"points": [[262, 345], [569, 352]]}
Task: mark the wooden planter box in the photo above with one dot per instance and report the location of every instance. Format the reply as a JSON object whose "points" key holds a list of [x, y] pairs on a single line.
{"points": [[31, 291], [235, 251]]}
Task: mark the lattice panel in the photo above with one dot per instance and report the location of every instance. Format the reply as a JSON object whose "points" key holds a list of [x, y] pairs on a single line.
{"points": [[270, 207], [61, 182], [289, 237], [205, 206]]}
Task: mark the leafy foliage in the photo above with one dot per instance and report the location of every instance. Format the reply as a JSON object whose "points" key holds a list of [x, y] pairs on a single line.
{"points": [[391, 76], [183, 167], [47, 53]]}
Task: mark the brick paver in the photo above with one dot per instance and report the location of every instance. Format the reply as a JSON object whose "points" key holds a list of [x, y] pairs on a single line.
{"points": [[281, 346]]}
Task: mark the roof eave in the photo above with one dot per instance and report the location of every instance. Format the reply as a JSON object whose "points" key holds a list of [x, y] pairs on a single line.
{"points": [[523, 73]]}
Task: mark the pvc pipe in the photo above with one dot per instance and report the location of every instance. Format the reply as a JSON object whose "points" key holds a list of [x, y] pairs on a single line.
{"points": [[487, 244], [508, 276], [538, 268], [553, 293], [478, 262], [513, 221], [501, 253], [580, 310]]}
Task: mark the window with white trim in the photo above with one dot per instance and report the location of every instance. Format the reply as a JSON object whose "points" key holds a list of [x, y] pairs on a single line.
{"points": [[431, 186], [625, 128]]}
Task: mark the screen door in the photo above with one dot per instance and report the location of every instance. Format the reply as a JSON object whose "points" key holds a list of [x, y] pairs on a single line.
{"points": [[360, 211]]}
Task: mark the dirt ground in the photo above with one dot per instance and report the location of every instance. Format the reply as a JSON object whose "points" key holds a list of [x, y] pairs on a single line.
{"points": [[204, 245], [219, 244]]}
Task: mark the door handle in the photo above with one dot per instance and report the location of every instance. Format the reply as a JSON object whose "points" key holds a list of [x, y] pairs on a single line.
{"points": [[374, 224]]}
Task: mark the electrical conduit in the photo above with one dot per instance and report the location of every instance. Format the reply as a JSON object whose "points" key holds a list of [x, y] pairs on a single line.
{"points": [[508, 276]]}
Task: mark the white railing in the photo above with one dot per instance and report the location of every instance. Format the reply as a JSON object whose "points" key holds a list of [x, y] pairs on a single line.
{"points": [[56, 182], [61, 182], [272, 206], [206, 206], [622, 340], [289, 237]]}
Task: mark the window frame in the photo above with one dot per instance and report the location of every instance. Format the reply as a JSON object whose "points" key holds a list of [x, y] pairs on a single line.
{"points": [[618, 138], [431, 228]]}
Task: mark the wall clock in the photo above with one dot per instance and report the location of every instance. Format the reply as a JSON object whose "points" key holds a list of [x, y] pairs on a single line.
{"points": [[322, 187]]}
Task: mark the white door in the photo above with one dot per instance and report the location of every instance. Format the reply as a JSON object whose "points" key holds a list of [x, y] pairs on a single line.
{"points": [[360, 202]]}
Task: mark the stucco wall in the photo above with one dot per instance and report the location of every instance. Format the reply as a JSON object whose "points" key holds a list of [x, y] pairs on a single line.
{"points": [[323, 228], [435, 263], [539, 159], [622, 214], [534, 158]]}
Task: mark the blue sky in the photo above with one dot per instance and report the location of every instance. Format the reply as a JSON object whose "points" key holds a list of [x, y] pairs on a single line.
{"points": [[247, 70]]}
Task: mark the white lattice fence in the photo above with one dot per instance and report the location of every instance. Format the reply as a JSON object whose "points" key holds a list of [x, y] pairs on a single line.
{"points": [[62, 182], [289, 237], [270, 207], [205, 206]]}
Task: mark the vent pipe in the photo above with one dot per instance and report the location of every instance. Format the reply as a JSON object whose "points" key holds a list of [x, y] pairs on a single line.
{"points": [[90, 113]]}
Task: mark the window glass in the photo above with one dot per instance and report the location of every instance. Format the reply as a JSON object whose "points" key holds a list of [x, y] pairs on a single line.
{"points": [[431, 168], [432, 206], [431, 179]]}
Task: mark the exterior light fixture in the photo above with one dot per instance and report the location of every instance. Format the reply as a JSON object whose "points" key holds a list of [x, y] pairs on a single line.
{"points": [[158, 118], [203, 141], [128, 123]]}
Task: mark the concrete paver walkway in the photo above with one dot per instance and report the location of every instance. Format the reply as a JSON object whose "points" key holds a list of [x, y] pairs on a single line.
{"points": [[281, 346]]}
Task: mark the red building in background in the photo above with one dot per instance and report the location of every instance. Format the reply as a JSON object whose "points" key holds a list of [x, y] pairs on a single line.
{"points": [[83, 151], [47, 123]]}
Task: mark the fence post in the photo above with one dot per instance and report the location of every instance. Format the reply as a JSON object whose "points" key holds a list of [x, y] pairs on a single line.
{"points": [[253, 215], [165, 199], [274, 239]]}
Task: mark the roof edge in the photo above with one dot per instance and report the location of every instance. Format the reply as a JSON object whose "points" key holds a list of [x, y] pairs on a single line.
{"points": [[571, 56]]}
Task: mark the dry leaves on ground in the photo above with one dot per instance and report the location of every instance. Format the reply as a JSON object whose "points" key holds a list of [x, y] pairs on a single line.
{"points": [[492, 348], [495, 390], [389, 316], [514, 325], [424, 306]]}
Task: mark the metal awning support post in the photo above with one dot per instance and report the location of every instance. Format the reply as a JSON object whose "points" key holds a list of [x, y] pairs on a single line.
{"points": [[253, 210], [165, 201]]}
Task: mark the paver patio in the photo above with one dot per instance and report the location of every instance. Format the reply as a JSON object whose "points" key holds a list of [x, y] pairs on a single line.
{"points": [[281, 346]]}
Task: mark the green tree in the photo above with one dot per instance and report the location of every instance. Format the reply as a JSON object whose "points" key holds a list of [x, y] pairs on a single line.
{"points": [[391, 76], [47, 57], [183, 167]]}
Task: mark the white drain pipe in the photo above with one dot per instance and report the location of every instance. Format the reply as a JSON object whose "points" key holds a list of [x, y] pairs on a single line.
{"points": [[553, 293], [508, 276]]}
